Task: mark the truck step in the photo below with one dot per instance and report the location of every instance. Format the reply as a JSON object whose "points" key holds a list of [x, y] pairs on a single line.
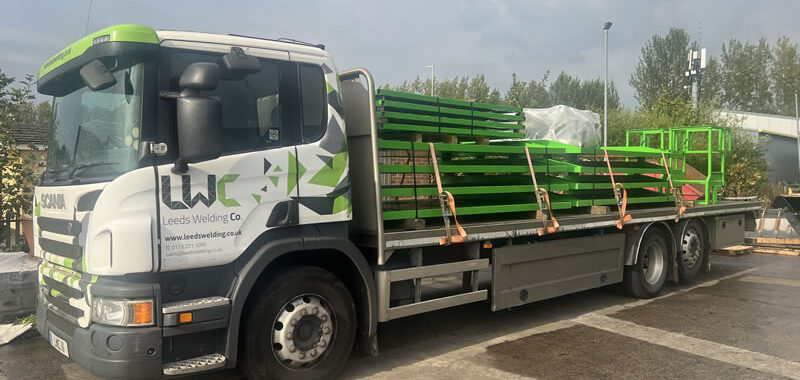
{"points": [[199, 364], [197, 303]]}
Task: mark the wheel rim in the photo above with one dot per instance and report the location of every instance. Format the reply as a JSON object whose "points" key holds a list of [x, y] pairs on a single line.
{"points": [[653, 263], [303, 331], [691, 248]]}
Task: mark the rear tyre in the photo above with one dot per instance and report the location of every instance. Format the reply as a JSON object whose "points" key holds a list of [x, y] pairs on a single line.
{"points": [[646, 278], [302, 326], [692, 251]]}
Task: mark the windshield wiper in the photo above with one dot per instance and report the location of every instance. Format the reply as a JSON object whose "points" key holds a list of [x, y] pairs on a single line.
{"points": [[89, 165]]}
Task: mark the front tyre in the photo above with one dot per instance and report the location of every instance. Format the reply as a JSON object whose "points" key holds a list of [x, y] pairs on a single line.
{"points": [[302, 326], [646, 278]]}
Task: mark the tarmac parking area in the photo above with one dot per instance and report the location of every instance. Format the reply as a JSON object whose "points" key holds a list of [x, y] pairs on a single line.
{"points": [[737, 321]]}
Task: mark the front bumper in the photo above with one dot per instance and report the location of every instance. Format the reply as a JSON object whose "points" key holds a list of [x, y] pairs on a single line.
{"points": [[107, 351]]}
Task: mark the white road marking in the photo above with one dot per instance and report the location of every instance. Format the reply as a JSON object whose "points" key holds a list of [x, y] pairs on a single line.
{"points": [[455, 364], [720, 352], [771, 281]]}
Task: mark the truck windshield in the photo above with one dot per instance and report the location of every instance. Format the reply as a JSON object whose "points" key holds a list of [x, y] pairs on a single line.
{"points": [[95, 134]]}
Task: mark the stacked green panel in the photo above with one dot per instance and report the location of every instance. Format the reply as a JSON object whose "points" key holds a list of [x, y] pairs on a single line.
{"points": [[493, 177], [638, 169], [400, 114]]}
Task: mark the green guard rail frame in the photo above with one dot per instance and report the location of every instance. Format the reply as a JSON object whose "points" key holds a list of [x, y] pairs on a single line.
{"points": [[700, 145]]}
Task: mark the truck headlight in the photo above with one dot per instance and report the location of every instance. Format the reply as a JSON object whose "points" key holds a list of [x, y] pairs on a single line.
{"points": [[122, 312]]}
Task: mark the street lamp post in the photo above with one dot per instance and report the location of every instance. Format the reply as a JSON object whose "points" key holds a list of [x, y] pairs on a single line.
{"points": [[606, 27], [433, 77], [797, 119]]}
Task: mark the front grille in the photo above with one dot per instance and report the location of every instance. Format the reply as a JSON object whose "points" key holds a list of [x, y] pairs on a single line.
{"points": [[62, 288], [59, 226], [61, 302], [65, 250], [63, 284]]}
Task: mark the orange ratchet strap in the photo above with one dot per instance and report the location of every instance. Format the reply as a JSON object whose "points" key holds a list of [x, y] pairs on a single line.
{"points": [[543, 198], [448, 205], [681, 209], [620, 193]]}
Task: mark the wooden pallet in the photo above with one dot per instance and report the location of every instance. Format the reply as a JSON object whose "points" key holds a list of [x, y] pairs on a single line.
{"points": [[768, 241], [736, 250], [776, 251]]}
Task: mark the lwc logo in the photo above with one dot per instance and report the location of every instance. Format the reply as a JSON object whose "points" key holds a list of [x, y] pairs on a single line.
{"points": [[215, 191]]}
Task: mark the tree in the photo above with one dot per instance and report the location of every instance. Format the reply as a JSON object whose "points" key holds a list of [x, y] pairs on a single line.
{"points": [[17, 174], [466, 88], [418, 86], [710, 83], [566, 90], [455, 88], [495, 97], [478, 89], [537, 93], [31, 113], [528, 94], [785, 75], [586, 95], [517, 93], [661, 68], [745, 76]]}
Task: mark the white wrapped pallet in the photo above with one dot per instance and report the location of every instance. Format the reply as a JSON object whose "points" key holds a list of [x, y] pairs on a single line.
{"points": [[563, 124]]}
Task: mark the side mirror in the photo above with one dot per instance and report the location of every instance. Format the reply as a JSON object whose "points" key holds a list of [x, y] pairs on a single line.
{"points": [[96, 76], [199, 117]]}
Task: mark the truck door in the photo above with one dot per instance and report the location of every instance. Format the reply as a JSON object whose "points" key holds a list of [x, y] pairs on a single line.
{"points": [[213, 212], [325, 185]]}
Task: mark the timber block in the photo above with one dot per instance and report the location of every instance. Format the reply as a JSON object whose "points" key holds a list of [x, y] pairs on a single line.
{"points": [[413, 224], [450, 139], [599, 210]]}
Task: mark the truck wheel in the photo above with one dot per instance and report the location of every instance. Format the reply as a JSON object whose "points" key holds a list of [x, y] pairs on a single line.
{"points": [[302, 326], [692, 251], [646, 278]]}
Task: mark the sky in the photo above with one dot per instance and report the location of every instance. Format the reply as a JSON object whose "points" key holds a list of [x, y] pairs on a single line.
{"points": [[396, 40]]}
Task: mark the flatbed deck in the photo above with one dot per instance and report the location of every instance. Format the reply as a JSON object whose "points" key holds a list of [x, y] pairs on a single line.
{"points": [[400, 239]]}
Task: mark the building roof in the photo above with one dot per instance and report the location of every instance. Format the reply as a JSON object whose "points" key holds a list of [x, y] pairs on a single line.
{"points": [[25, 134], [764, 123]]}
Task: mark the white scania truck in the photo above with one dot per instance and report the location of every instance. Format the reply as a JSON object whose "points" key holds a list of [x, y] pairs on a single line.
{"points": [[213, 201]]}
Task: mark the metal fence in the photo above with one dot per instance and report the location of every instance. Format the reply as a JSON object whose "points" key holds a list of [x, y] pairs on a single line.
{"points": [[11, 236]]}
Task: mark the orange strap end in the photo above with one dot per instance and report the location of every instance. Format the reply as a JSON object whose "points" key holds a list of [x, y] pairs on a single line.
{"points": [[451, 203]]}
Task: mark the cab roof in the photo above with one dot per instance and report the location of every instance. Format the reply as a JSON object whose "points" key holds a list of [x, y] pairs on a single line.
{"points": [[148, 35]]}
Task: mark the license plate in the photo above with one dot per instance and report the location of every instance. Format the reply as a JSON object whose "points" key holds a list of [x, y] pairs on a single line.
{"points": [[59, 344]]}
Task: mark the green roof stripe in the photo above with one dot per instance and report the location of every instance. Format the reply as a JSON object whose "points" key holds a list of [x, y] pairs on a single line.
{"points": [[117, 33]]}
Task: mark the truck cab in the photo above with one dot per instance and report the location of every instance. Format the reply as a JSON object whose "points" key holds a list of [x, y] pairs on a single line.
{"points": [[178, 161]]}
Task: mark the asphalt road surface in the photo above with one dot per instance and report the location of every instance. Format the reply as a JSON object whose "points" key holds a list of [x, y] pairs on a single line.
{"points": [[738, 321]]}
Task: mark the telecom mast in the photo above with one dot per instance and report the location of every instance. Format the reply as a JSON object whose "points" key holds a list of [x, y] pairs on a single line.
{"points": [[697, 64]]}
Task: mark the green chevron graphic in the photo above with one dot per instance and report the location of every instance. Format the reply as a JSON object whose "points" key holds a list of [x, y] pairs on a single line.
{"points": [[330, 175], [342, 204]]}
